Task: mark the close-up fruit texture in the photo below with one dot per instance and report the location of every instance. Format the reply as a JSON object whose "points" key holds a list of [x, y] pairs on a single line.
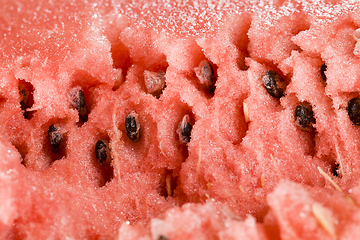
{"points": [[171, 120]]}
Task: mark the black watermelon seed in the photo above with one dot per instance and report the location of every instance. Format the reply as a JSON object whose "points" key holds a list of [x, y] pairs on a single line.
{"points": [[304, 116], [353, 110], [184, 130], [206, 75], [162, 237], [274, 84], [55, 138], [322, 71], [155, 82], [132, 126], [102, 152], [79, 103]]}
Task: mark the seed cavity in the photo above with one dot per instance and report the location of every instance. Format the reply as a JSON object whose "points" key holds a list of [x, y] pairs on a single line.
{"points": [[353, 109], [274, 84], [336, 170], [184, 130], [155, 82], [304, 116], [26, 98], [205, 73], [162, 237], [168, 183], [322, 71], [55, 138], [77, 100], [102, 152], [132, 126]]}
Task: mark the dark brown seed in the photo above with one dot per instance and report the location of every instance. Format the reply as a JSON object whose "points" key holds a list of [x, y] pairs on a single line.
{"points": [[55, 138], [155, 82], [353, 110], [205, 73], [274, 84], [304, 116], [322, 71], [102, 152], [79, 103], [162, 237], [184, 130], [169, 187], [132, 126]]}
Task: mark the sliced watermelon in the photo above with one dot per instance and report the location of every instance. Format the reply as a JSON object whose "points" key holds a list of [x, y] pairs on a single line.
{"points": [[179, 120]]}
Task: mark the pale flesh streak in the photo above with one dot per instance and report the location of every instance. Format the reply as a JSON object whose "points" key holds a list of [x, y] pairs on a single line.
{"points": [[325, 221]]}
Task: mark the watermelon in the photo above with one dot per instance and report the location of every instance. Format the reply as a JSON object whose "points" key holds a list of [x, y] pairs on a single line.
{"points": [[179, 120]]}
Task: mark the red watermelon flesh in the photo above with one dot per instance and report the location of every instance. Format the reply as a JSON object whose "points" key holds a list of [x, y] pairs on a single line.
{"points": [[248, 170]]}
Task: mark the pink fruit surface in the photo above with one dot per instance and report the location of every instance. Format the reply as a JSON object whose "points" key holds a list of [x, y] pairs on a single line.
{"points": [[179, 120]]}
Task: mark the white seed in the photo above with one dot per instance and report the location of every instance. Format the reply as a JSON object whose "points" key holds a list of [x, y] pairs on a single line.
{"points": [[322, 216], [327, 177], [119, 78], [246, 112], [356, 34]]}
